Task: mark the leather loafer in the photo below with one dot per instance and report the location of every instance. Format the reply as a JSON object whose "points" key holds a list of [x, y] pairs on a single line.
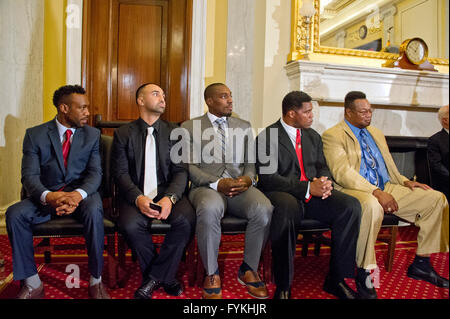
{"points": [[98, 291], [255, 286], [212, 287], [282, 294], [26, 292], [365, 288], [146, 290], [340, 289], [431, 276], [173, 289]]}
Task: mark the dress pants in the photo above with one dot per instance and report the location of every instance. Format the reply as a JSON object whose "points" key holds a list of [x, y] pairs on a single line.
{"points": [[340, 211], [134, 226], [210, 207], [427, 209], [21, 217]]}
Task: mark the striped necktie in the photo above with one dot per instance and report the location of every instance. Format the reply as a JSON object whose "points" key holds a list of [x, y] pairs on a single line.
{"points": [[220, 129]]}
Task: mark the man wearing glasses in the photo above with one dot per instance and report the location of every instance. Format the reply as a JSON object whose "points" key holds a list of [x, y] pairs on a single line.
{"points": [[359, 159]]}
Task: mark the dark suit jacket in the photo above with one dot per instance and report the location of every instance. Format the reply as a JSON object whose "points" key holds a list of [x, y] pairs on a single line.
{"points": [[286, 177], [127, 162], [438, 159], [43, 166]]}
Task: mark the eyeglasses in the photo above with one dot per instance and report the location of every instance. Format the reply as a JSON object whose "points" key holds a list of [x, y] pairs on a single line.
{"points": [[365, 112]]}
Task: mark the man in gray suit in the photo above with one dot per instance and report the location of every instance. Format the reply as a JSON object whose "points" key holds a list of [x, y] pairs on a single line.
{"points": [[222, 180]]}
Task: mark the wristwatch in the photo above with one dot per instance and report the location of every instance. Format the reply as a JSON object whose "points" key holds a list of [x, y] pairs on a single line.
{"points": [[172, 198]]}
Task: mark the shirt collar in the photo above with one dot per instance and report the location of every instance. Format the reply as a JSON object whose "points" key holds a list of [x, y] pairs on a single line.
{"points": [[62, 129], [144, 125], [446, 130], [292, 131], [213, 118], [355, 130]]}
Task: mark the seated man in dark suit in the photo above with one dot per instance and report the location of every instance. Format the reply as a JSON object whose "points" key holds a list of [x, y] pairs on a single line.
{"points": [[146, 175], [61, 172], [294, 175], [438, 154]]}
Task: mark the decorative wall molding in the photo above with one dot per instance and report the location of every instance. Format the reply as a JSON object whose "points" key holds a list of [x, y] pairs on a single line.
{"points": [[404, 100]]}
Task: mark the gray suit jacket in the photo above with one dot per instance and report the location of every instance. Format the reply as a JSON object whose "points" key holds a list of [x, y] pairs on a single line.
{"points": [[205, 163], [43, 164]]}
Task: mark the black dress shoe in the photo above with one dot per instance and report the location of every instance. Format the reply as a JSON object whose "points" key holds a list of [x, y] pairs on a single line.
{"points": [[173, 289], [365, 288], [431, 276], [282, 294], [340, 289], [146, 290]]}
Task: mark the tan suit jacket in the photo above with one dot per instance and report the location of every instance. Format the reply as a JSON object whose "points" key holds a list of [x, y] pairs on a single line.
{"points": [[343, 154]]}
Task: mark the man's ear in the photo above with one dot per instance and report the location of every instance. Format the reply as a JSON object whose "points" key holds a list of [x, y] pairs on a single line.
{"points": [[140, 101], [291, 114], [63, 108]]}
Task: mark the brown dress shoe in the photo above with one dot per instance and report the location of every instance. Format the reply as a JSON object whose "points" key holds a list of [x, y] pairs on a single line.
{"points": [[26, 292], [98, 291], [255, 286], [212, 287]]}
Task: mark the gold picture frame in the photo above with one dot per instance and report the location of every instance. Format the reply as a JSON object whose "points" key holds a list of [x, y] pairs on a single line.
{"points": [[299, 38]]}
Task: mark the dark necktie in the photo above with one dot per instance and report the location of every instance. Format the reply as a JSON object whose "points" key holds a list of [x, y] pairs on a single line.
{"points": [[66, 147], [370, 162]]}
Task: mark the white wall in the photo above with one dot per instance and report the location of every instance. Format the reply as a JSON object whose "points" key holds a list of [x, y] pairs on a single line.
{"points": [[21, 69]]}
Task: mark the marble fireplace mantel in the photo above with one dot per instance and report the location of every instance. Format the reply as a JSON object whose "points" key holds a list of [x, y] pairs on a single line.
{"points": [[405, 98]]}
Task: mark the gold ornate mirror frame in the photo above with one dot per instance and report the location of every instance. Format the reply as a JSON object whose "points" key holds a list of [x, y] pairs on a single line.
{"points": [[299, 40]]}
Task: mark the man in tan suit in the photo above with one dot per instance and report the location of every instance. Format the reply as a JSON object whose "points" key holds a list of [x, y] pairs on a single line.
{"points": [[359, 159]]}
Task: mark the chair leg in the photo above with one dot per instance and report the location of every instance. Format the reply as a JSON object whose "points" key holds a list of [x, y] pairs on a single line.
{"points": [[267, 263], [391, 248], [121, 256], [306, 240], [190, 261], [112, 262]]}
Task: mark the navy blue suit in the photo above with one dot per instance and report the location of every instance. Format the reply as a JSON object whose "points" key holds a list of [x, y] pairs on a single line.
{"points": [[43, 169]]}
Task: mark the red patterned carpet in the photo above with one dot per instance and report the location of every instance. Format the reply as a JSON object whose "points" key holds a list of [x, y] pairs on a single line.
{"points": [[310, 273]]}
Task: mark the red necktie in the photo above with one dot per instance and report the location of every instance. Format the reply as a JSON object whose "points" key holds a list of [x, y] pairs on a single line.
{"points": [[66, 147], [298, 150]]}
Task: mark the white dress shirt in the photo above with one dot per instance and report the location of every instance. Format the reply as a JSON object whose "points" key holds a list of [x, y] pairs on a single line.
{"points": [[292, 133]]}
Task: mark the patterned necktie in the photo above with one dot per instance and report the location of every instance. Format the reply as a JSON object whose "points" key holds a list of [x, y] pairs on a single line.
{"points": [[66, 147], [370, 162], [150, 181], [298, 150], [220, 129]]}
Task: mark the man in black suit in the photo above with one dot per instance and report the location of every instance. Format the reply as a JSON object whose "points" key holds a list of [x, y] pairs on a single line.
{"points": [[294, 175], [61, 172], [146, 175], [438, 154]]}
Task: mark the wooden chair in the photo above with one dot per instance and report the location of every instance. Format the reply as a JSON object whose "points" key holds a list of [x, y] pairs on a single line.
{"points": [[156, 227], [67, 226], [232, 225]]}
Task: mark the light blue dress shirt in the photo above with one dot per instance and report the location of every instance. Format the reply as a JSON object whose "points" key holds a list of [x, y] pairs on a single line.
{"points": [[382, 170]]}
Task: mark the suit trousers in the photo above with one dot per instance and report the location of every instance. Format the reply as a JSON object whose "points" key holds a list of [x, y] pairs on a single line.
{"points": [[134, 226], [210, 207], [21, 217], [427, 209], [340, 211]]}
